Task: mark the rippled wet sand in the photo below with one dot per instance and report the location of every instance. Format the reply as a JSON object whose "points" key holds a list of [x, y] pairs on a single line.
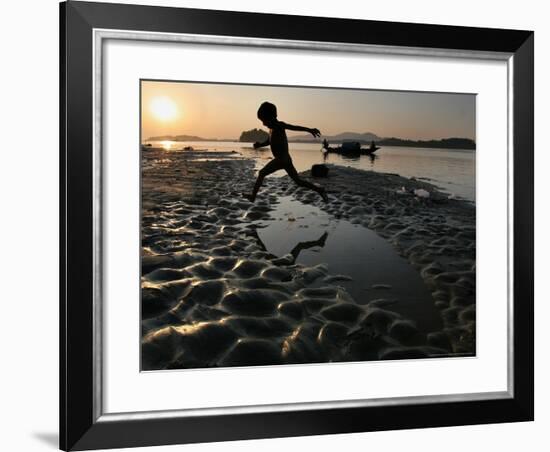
{"points": [[213, 295]]}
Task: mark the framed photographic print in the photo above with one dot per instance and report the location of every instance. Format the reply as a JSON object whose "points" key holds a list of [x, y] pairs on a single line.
{"points": [[283, 225]]}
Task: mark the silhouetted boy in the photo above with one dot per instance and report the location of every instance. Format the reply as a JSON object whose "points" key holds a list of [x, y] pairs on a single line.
{"points": [[267, 113]]}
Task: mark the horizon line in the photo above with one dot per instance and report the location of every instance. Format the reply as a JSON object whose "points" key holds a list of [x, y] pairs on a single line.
{"points": [[236, 139]]}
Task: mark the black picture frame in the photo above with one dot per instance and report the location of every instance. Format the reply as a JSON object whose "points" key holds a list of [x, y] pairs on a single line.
{"points": [[80, 427]]}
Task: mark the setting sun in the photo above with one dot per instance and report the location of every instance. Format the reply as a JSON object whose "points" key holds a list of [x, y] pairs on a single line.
{"points": [[163, 108]]}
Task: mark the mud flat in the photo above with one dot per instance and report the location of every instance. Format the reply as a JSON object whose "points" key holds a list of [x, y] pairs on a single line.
{"points": [[213, 295]]}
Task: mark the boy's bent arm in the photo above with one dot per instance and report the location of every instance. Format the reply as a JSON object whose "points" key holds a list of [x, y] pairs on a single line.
{"points": [[257, 144]]}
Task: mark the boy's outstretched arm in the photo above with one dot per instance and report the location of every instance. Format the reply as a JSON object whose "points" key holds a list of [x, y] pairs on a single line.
{"points": [[314, 132]]}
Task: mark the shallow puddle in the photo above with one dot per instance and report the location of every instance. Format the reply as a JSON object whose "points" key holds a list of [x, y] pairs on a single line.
{"points": [[375, 268]]}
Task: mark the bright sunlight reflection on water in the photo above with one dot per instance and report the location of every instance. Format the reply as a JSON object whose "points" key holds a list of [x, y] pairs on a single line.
{"points": [[168, 145]]}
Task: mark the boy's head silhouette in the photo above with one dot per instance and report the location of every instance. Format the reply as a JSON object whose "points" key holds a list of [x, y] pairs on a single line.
{"points": [[267, 113]]}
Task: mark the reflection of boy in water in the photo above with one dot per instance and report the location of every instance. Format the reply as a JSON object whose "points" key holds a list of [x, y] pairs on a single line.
{"points": [[267, 113]]}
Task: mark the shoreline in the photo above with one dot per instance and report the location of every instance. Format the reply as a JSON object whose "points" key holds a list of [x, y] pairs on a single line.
{"points": [[452, 172], [211, 296], [421, 144]]}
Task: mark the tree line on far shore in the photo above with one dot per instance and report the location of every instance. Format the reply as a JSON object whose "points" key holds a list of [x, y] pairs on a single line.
{"points": [[445, 143], [253, 135]]}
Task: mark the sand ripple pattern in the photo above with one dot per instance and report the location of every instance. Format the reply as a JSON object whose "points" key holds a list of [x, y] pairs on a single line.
{"points": [[213, 296]]}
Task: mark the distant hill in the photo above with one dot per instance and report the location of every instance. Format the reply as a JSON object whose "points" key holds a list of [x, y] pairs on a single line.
{"points": [[367, 138], [253, 135]]}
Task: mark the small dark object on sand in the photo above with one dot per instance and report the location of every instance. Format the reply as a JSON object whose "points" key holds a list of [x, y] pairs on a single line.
{"points": [[319, 170]]}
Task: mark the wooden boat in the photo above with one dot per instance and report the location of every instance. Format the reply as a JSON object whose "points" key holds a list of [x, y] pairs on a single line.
{"points": [[350, 148]]}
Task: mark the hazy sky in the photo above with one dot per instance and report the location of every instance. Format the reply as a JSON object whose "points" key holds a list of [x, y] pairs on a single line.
{"points": [[224, 111]]}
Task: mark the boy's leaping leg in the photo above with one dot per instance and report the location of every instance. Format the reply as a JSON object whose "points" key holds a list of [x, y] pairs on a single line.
{"points": [[291, 171], [270, 167]]}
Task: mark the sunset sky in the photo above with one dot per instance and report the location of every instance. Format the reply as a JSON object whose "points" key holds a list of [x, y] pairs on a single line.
{"points": [[224, 111]]}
